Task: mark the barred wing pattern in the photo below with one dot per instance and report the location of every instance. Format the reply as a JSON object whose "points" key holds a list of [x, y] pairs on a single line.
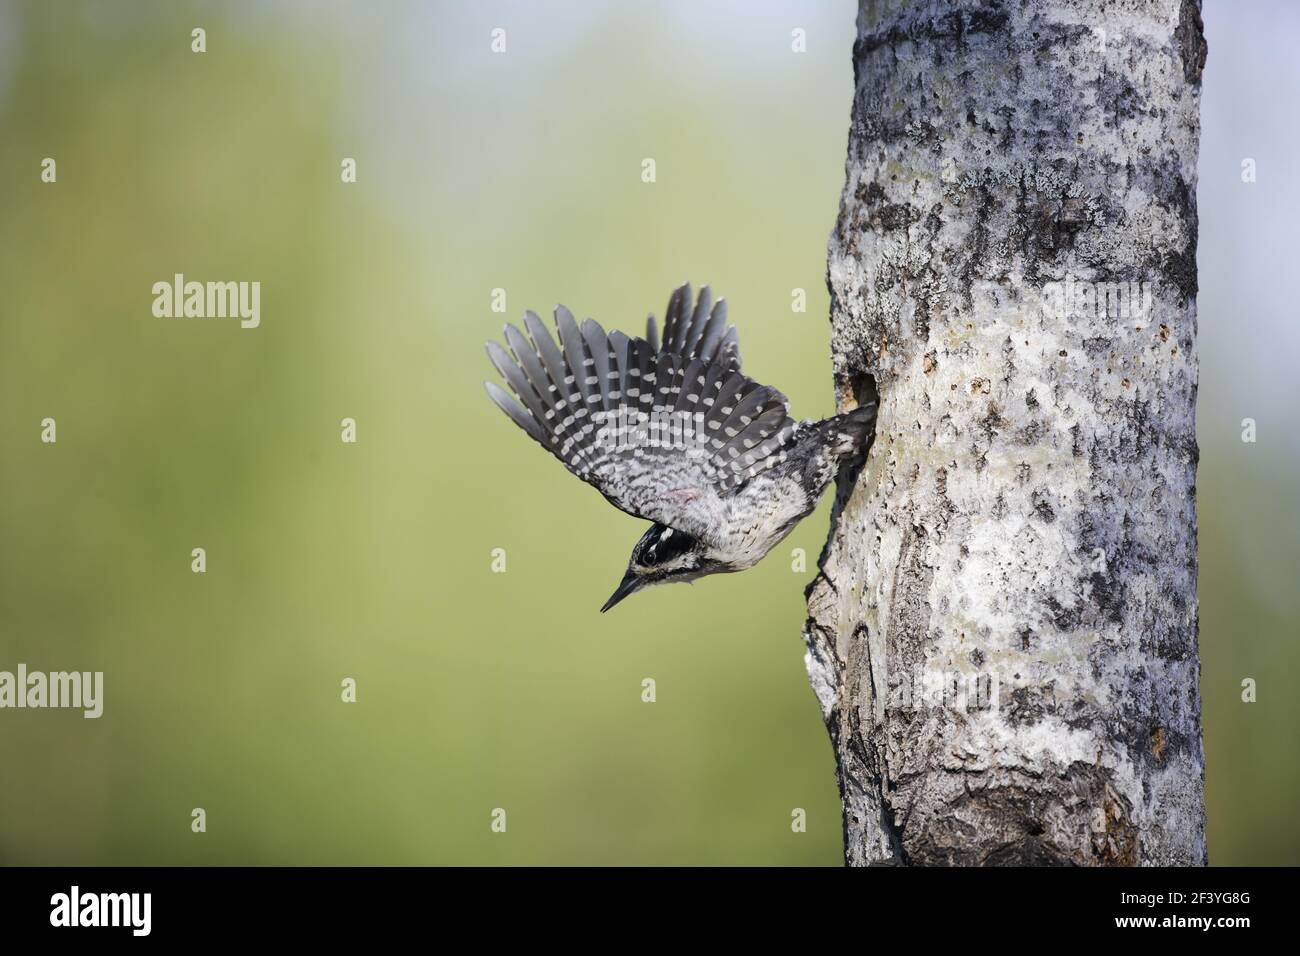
{"points": [[565, 393], [693, 332]]}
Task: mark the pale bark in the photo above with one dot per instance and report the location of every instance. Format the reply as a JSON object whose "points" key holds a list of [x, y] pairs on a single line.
{"points": [[1026, 516]]}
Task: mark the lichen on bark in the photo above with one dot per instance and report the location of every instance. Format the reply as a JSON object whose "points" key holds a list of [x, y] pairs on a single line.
{"points": [[1013, 268]]}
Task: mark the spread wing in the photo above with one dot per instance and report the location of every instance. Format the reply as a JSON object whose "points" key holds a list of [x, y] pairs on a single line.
{"points": [[660, 432], [689, 332]]}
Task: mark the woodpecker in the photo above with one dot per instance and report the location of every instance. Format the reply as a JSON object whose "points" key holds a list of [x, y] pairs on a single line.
{"points": [[674, 433]]}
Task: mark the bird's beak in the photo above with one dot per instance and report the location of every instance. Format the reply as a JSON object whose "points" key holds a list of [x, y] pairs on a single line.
{"points": [[629, 584]]}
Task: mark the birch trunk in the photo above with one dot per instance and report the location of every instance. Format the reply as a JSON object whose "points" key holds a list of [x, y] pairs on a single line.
{"points": [[1002, 635]]}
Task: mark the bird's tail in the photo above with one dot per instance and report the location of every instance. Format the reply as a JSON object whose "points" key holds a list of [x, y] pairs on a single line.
{"points": [[852, 433], [841, 440]]}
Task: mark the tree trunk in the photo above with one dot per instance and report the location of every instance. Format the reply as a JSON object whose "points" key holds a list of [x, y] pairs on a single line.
{"points": [[1002, 635]]}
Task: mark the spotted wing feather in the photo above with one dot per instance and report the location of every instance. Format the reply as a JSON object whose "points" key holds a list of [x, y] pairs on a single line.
{"points": [[696, 331]]}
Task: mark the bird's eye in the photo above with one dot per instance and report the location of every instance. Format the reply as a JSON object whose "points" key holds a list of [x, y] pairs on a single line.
{"points": [[668, 545]]}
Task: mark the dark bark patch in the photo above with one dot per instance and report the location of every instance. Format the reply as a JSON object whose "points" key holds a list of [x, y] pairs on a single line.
{"points": [[1179, 268], [1031, 433], [1065, 618], [1108, 596], [1190, 37], [1026, 706], [1117, 844], [946, 31], [992, 422]]}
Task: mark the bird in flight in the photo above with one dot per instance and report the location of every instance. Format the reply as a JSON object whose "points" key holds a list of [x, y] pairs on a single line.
{"points": [[675, 433]]}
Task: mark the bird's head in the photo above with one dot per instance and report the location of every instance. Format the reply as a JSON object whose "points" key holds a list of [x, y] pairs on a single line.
{"points": [[663, 555]]}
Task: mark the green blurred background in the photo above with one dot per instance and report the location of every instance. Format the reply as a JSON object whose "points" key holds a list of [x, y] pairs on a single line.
{"points": [[476, 690]]}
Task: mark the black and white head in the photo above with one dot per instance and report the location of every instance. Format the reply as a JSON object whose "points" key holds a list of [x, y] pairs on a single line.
{"points": [[663, 555]]}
